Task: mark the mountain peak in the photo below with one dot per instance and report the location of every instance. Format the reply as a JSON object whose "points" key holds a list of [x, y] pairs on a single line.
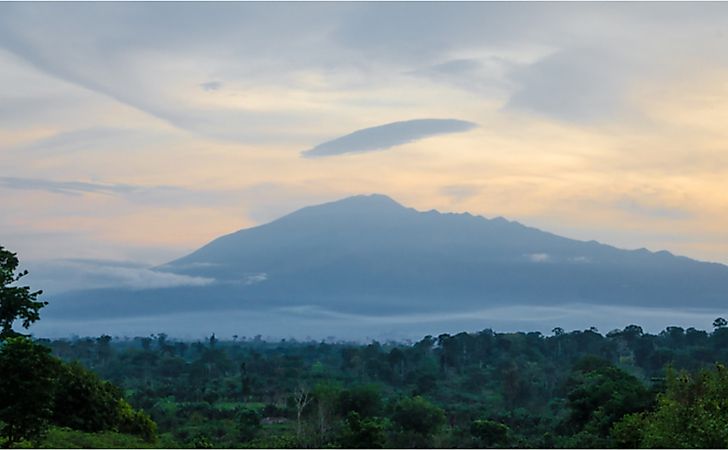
{"points": [[369, 200], [372, 204]]}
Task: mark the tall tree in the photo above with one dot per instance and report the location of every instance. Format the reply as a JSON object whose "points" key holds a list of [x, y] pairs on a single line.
{"points": [[27, 389], [16, 302], [418, 420], [598, 395]]}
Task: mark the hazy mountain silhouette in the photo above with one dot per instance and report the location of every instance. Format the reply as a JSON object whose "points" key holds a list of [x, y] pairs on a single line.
{"points": [[369, 254]]}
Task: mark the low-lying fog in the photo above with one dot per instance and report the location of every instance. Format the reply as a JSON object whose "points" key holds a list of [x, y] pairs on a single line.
{"points": [[315, 323]]}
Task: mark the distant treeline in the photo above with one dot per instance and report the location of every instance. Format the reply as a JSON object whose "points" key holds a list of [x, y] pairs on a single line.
{"points": [[486, 389]]}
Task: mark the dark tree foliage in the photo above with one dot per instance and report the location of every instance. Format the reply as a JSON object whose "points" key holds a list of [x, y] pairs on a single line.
{"points": [[418, 415], [38, 390], [27, 389], [489, 433], [720, 323], [361, 432], [85, 403], [248, 424], [416, 419], [365, 400], [16, 302], [599, 394]]}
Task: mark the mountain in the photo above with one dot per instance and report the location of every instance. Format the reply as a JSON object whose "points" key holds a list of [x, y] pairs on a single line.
{"points": [[371, 255]]}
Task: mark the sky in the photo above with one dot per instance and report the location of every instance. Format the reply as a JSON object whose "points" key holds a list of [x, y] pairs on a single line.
{"points": [[133, 133]]}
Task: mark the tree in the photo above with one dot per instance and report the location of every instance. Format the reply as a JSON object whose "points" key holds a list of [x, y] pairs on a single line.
{"points": [[489, 433], [246, 382], [103, 347], [326, 396], [37, 389], [16, 302], [628, 432], [692, 413], [27, 389], [418, 415], [599, 394], [632, 332], [248, 424], [720, 323], [135, 422], [418, 419], [85, 402], [363, 433], [301, 398], [365, 400]]}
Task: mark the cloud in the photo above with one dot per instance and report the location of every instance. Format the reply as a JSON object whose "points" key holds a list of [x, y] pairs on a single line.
{"points": [[21, 111], [141, 54], [192, 265], [539, 257], [255, 278], [76, 187], [129, 63], [580, 259], [142, 278], [211, 86], [579, 85], [460, 192], [486, 76], [453, 67], [263, 201], [65, 187], [389, 135], [413, 33], [63, 275], [89, 139]]}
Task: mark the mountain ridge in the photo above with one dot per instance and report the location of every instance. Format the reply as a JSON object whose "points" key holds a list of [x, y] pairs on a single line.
{"points": [[365, 204], [370, 254]]}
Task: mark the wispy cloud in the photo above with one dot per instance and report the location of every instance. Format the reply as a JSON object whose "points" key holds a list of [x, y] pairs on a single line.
{"points": [[69, 274], [460, 192], [143, 278], [88, 138], [75, 187], [389, 135], [638, 207]]}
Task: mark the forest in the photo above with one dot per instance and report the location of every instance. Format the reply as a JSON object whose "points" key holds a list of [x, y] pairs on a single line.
{"points": [[578, 389]]}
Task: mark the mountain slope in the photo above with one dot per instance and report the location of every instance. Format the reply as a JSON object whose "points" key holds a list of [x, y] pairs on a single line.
{"points": [[369, 254]]}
